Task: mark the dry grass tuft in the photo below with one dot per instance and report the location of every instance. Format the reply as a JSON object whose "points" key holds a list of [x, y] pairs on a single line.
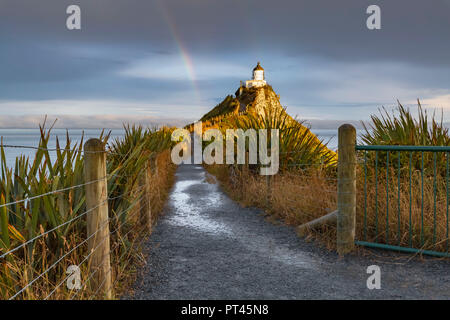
{"points": [[162, 179]]}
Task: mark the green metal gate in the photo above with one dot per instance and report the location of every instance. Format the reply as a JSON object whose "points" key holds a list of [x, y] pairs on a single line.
{"points": [[406, 198]]}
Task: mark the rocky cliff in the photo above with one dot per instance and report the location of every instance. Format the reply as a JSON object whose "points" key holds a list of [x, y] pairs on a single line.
{"points": [[254, 100], [260, 107]]}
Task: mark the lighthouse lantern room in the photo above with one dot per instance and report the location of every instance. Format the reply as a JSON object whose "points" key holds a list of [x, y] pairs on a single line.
{"points": [[258, 79]]}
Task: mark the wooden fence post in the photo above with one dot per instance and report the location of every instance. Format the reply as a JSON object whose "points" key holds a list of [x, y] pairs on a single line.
{"points": [[97, 217], [346, 219], [145, 208]]}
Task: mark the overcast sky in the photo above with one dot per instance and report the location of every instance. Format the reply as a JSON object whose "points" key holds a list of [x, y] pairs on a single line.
{"points": [[170, 61]]}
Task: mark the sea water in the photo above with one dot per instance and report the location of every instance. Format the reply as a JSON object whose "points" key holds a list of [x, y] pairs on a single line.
{"points": [[328, 136], [30, 138]]}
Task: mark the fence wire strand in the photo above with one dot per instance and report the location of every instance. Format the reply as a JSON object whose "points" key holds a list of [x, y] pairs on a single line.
{"points": [[51, 230], [109, 220], [113, 248], [69, 252]]}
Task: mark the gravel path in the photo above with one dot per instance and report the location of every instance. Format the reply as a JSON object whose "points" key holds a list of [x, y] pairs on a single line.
{"points": [[206, 246]]}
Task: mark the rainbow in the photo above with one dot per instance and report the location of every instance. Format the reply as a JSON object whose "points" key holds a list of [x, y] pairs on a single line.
{"points": [[184, 53]]}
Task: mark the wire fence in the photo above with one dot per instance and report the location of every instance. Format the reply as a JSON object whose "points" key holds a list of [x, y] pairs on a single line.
{"points": [[138, 231], [306, 187], [138, 199], [396, 215], [90, 254]]}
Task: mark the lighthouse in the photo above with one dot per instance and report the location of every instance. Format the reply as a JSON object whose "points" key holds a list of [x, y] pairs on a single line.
{"points": [[258, 79]]}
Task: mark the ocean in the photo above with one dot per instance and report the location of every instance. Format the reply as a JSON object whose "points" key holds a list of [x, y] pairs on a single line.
{"points": [[329, 136], [30, 138]]}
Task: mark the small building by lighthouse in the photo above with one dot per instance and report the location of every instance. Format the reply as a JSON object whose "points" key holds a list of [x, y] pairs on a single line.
{"points": [[258, 79]]}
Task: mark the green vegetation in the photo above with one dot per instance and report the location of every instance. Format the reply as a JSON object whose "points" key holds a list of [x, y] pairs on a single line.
{"points": [[404, 129], [306, 186], [307, 169], [298, 145], [417, 217], [401, 128], [227, 106], [61, 214]]}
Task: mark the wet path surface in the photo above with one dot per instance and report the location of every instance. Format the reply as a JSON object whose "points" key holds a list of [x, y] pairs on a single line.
{"points": [[206, 246]]}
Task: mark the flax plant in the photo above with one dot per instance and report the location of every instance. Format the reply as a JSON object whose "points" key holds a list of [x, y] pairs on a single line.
{"points": [[64, 211]]}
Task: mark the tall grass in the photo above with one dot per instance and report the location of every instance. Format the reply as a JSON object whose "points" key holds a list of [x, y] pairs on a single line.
{"points": [[396, 217], [396, 212], [304, 188], [126, 159], [400, 127]]}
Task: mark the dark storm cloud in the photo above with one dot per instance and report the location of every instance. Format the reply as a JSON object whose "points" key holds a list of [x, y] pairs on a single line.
{"points": [[32, 61], [413, 30], [316, 53]]}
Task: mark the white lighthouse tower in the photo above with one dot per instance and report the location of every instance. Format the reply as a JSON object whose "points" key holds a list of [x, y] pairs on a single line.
{"points": [[257, 79]]}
